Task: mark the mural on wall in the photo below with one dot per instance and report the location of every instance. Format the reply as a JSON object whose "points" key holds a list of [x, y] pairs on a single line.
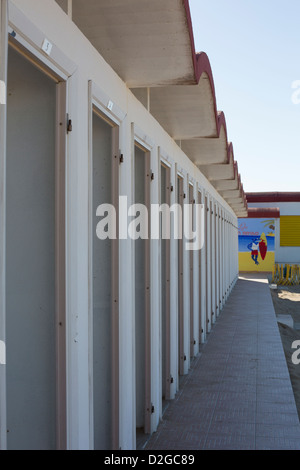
{"points": [[256, 244]]}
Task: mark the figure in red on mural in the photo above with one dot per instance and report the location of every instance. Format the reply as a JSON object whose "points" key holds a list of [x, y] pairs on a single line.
{"points": [[254, 248]]}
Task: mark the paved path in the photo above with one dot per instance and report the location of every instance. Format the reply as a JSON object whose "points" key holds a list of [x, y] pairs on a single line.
{"points": [[238, 394]]}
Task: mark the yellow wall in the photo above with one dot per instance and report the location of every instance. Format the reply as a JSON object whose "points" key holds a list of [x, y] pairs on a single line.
{"points": [[246, 263], [290, 230]]}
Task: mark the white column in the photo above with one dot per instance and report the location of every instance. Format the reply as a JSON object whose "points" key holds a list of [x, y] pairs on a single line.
{"points": [[77, 272], [126, 313], [155, 304], [3, 78], [196, 280], [217, 261], [173, 294], [234, 254], [208, 266], [226, 255], [232, 258], [70, 8], [231, 252], [237, 248], [234, 251], [203, 278], [213, 262], [229, 255], [223, 258], [186, 289]]}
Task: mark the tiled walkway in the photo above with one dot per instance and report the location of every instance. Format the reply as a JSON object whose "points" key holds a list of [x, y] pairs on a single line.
{"points": [[238, 394]]}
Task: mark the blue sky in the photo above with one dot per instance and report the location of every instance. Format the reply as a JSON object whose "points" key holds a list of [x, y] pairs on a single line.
{"points": [[254, 51]]}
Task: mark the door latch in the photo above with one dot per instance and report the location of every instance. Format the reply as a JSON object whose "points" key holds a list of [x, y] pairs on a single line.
{"points": [[69, 125]]}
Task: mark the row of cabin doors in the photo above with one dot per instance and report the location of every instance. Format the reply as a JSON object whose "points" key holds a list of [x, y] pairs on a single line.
{"points": [[35, 271], [35, 265]]}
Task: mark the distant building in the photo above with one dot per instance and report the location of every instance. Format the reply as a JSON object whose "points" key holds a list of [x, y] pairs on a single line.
{"points": [[274, 223]]}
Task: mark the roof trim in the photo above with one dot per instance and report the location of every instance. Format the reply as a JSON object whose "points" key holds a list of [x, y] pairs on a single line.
{"points": [[202, 65], [273, 197], [264, 212]]}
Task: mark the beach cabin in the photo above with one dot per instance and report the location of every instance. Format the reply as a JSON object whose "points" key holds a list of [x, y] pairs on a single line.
{"points": [[106, 105]]}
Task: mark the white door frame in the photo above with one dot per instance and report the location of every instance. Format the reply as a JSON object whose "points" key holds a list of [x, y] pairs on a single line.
{"points": [[28, 39], [98, 104], [143, 142], [181, 352], [167, 338]]}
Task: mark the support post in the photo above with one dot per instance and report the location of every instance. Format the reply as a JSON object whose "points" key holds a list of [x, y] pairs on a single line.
{"points": [[3, 109]]}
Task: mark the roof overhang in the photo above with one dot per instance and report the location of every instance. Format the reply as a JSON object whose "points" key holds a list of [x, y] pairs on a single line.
{"points": [[185, 111], [227, 181], [223, 172], [138, 39], [151, 47]]}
